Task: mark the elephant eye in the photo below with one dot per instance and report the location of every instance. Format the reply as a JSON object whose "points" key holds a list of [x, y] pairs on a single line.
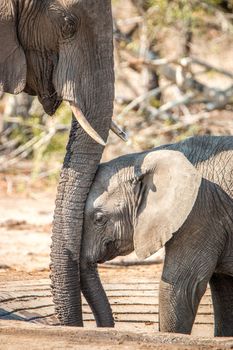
{"points": [[100, 219], [69, 27]]}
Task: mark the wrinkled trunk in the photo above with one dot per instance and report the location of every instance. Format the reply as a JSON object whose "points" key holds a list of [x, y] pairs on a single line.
{"points": [[84, 77], [95, 295], [81, 161]]}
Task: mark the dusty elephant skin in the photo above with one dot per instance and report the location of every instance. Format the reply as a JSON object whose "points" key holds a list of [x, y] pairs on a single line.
{"points": [[63, 50], [180, 196]]}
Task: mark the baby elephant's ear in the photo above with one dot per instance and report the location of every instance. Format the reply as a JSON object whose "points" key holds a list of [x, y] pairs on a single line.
{"points": [[169, 188], [12, 58]]}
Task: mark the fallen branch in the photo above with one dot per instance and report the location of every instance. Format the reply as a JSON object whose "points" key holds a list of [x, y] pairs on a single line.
{"points": [[171, 104], [186, 80], [21, 121], [209, 67], [24, 150], [132, 263], [184, 124], [140, 99]]}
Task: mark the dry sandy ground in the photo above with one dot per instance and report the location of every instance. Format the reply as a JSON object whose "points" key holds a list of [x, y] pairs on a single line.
{"points": [[25, 226]]}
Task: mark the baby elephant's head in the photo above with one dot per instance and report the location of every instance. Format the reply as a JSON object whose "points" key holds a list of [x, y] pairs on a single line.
{"points": [[137, 202]]}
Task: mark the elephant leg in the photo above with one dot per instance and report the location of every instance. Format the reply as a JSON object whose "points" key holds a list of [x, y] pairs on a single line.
{"points": [[188, 267], [178, 305], [222, 294]]}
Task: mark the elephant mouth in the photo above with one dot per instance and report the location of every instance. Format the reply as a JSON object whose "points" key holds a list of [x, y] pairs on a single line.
{"points": [[50, 103]]}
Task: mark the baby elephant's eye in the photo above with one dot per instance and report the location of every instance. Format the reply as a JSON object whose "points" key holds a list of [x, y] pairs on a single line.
{"points": [[99, 218]]}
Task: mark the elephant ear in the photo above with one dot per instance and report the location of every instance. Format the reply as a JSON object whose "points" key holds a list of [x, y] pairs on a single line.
{"points": [[167, 190], [12, 58]]}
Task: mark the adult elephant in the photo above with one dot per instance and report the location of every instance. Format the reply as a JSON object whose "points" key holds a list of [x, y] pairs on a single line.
{"points": [[63, 50]]}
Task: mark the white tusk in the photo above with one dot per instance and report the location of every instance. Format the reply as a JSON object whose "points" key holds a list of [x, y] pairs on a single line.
{"points": [[117, 130], [86, 125]]}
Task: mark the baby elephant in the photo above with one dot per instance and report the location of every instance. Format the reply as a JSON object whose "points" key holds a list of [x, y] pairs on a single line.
{"points": [[179, 196]]}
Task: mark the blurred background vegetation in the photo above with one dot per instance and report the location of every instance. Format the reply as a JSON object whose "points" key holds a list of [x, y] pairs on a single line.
{"points": [[174, 79]]}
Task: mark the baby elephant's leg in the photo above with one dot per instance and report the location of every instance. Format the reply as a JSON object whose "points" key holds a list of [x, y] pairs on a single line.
{"points": [[178, 305], [185, 277], [222, 295]]}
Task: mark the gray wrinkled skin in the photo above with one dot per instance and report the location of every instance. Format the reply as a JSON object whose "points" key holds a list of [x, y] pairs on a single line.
{"points": [[200, 251], [63, 50]]}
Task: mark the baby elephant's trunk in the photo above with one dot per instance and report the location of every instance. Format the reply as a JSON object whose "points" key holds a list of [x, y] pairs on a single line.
{"points": [[95, 295]]}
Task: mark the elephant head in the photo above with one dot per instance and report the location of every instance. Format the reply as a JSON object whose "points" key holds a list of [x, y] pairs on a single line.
{"points": [[136, 202], [63, 50]]}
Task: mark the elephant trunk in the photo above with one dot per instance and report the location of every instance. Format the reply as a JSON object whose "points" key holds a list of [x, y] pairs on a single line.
{"points": [[75, 181], [84, 77], [95, 295]]}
